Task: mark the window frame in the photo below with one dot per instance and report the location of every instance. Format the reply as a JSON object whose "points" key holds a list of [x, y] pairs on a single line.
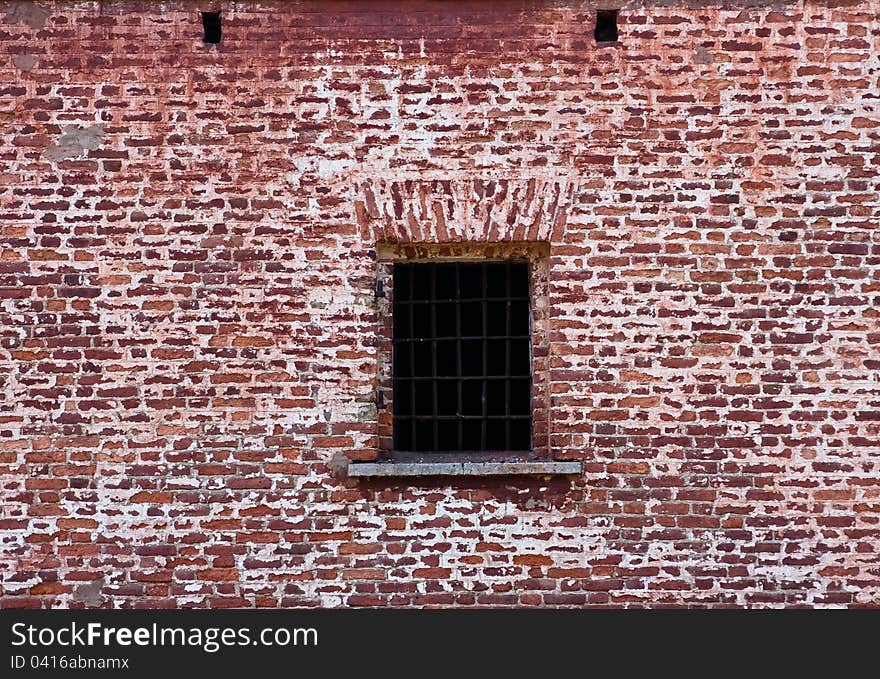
{"points": [[536, 254]]}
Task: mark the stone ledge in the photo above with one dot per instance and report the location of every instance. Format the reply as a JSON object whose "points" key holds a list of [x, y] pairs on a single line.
{"points": [[367, 469]]}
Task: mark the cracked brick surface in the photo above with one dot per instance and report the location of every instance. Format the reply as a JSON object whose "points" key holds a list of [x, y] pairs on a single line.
{"points": [[188, 327]]}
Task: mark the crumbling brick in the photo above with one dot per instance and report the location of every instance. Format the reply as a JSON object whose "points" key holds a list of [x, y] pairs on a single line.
{"points": [[190, 333]]}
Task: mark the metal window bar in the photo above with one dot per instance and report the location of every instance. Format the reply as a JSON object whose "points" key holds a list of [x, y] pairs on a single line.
{"points": [[458, 364], [507, 312], [478, 425], [484, 308]]}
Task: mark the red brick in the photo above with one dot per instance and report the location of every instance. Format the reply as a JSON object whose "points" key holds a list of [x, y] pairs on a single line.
{"points": [[191, 341]]}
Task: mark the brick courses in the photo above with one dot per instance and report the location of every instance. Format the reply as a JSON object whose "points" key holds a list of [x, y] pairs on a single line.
{"points": [[188, 329]]}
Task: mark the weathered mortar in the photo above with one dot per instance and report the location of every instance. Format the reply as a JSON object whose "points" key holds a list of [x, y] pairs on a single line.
{"points": [[188, 326]]}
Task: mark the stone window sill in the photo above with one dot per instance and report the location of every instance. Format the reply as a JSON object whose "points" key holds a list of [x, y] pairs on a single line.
{"points": [[464, 468]]}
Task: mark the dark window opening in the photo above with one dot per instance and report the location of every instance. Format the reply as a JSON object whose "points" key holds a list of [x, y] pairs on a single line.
{"points": [[211, 24], [606, 25], [462, 364]]}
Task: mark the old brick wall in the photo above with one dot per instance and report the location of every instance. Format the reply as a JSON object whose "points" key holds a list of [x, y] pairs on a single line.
{"points": [[188, 326]]}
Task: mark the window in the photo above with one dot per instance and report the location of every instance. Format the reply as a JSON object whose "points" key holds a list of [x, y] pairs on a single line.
{"points": [[606, 26], [462, 357], [463, 362], [212, 27]]}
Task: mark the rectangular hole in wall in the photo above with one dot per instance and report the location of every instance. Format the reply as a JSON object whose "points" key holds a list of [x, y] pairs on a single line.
{"points": [[606, 25], [211, 26], [462, 377]]}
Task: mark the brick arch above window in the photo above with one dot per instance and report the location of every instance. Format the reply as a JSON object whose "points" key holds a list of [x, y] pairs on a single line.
{"points": [[469, 209]]}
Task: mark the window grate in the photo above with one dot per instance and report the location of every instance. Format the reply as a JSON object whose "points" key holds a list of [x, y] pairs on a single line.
{"points": [[462, 361]]}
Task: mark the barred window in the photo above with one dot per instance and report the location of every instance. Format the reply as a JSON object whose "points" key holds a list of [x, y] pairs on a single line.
{"points": [[462, 364]]}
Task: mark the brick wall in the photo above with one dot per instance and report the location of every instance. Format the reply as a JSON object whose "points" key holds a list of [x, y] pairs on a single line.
{"points": [[188, 326]]}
